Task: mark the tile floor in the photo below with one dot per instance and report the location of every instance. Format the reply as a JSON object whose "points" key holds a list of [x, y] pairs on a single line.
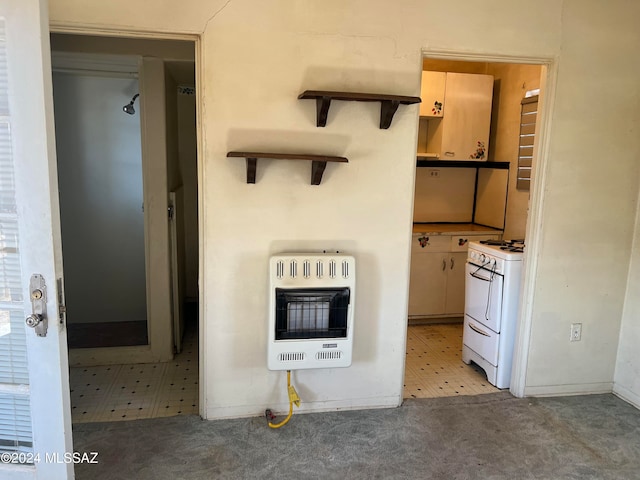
{"points": [[129, 392], [434, 367]]}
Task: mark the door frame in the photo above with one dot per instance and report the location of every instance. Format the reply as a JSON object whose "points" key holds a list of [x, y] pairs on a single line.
{"points": [[198, 57], [534, 228], [159, 345]]}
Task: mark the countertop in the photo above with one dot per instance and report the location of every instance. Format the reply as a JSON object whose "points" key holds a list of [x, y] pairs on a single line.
{"points": [[454, 229]]}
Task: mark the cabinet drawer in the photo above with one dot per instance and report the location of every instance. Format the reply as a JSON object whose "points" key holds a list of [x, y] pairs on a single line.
{"points": [[481, 340], [430, 243], [460, 243]]}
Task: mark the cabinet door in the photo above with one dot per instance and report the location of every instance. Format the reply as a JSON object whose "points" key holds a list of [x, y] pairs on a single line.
{"points": [[432, 94], [428, 283], [455, 283], [465, 129]]}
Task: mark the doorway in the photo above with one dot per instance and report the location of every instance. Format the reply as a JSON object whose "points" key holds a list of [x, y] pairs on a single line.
{"points": [[101, 197], [127, 149], [457, 203]]}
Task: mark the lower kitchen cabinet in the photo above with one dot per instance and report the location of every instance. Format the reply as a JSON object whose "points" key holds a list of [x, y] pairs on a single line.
{"points": [[428, 283], [454, 303], [437, 278]]}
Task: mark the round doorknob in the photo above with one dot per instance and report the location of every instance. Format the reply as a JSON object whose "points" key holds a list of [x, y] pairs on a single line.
{"points": [[33, 320]]}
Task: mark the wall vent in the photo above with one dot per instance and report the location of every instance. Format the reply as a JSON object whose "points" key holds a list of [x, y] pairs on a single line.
{"points": [[291, 357], [280, 269], [331, 355], [345, 269]]}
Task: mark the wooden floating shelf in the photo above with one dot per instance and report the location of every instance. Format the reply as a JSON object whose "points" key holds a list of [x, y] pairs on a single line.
{"points": [[318, 162], [388, 103], [460, 164]]}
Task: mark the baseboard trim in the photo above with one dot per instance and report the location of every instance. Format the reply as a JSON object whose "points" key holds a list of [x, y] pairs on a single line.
{"points": [[561, 390], [89, 357], [627, 395], [243, 411], [435, 320]]}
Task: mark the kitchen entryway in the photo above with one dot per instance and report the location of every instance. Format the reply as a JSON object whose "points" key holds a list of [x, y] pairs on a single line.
{"points": [[434, 367], [477, 130]]}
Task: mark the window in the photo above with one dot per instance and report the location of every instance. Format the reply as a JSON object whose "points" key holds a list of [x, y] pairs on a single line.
{"points": [[527, 138]]}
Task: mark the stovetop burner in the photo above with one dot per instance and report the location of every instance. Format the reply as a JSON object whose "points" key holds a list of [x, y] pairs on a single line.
{"points": [[505, 244], [509, 248], [497, 243]]}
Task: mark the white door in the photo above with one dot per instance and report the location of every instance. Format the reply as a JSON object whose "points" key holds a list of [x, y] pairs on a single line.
{"points": [[35, 413]]}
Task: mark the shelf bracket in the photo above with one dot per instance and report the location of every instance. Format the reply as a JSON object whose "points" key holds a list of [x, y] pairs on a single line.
{"points": [[387, 111], [322, 108], [317, 170], [252, 167]]}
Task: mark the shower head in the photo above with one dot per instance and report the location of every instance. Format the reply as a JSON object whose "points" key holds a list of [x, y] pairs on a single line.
{"points": [[128, 108]]}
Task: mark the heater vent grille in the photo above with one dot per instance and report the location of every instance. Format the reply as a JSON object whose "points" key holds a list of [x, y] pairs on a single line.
{"points": [[330, 355], [291, 357], [307, 268], [345, 269], [319, 268], [280, 269], [332, 269]]}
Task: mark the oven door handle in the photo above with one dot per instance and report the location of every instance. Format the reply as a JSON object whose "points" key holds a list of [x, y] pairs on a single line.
{"points": [[477, 330], [479, 277]]}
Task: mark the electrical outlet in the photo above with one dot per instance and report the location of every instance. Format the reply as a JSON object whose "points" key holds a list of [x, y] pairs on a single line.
{"points": [[576, 332], [434, 173]]}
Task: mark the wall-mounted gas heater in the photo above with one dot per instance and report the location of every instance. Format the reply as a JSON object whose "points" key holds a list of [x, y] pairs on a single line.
{"points": [[311, 311]]}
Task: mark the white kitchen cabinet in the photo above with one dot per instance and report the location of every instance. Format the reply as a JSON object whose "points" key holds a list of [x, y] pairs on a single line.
{"points": [[454, 300], [432, 93], [437, 278], [428, 283], [462, 133]]}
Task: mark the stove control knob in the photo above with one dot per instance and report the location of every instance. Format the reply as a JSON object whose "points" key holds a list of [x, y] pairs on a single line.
{"points": [[482, 257]]}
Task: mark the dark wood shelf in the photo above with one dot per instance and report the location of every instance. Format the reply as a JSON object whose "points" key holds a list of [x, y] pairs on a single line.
{"points": [[461, 164], [388, 103], [318, 162]]}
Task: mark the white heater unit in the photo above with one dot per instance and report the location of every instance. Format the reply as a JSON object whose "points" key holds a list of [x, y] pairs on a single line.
{"points": [[311, 299]]}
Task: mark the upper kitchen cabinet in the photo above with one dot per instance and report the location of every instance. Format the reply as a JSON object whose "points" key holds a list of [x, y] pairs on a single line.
{"points": [[462, 133], [432, 94]]}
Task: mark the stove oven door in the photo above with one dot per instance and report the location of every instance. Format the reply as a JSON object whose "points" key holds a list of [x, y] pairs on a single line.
{"points": [[483, 296]]}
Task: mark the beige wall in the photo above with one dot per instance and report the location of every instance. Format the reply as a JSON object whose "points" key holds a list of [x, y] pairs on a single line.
{"points": [[589, 211], [258, 56], [445, 198], [511, 84]]}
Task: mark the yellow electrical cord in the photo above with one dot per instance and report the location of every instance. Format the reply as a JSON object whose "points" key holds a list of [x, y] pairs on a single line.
{"points": [[293, 398]]}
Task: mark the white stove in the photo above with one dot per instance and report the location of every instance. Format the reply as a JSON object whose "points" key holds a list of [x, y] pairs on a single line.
{"points": [[492, 291]]}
